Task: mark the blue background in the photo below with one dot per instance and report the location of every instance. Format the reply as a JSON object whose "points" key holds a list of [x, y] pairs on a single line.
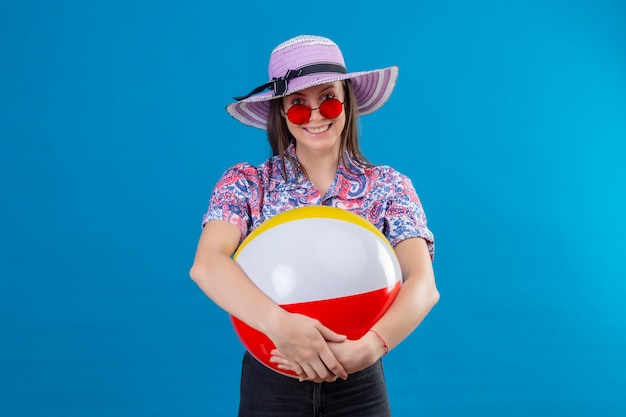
{"points": [[509, 116]]}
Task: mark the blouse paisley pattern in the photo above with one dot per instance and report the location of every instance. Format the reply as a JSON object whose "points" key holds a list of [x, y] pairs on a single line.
{"points": [[248, 195]]}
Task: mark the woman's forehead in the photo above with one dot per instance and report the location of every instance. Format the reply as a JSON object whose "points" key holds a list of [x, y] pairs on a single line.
{"points": [[317, 89]]}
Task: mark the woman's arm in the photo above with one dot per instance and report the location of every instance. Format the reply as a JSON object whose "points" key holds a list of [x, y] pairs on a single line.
{"points": [[302, 340], [417, 296]]}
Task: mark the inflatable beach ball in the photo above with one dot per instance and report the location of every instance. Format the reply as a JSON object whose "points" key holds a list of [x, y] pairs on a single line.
{"points": [[323, 262]]}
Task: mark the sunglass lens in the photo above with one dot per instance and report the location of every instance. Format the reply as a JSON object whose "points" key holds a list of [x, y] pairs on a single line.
{"points": [[299, 114], [331, 108]]}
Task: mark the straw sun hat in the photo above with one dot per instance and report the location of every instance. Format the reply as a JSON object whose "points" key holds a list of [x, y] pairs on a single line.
{"points": [[306, 61]]}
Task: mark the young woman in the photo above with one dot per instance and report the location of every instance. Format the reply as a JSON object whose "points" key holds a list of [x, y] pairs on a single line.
{"points": [[310, 114]]}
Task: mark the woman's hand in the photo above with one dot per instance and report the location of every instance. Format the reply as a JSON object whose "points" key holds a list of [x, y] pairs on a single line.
{"points": [[303, 343], [353, 355]]}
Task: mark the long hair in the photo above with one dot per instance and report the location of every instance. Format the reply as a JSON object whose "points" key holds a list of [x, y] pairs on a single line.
{"points": [[279, 136]]}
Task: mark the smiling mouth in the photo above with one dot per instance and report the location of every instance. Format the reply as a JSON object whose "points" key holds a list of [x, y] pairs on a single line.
{"points": [[318, 130]]}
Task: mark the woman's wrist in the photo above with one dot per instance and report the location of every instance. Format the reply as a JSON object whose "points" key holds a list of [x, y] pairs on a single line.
{"points": [[274, 318], [380, 345]]}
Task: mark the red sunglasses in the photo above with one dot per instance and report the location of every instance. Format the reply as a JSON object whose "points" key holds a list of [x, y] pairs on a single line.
{"points": [[300, 114]]}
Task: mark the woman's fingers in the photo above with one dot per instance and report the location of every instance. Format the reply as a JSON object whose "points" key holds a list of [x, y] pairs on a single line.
{"points": [[317, 370], [279, 359], [332, 365], [329, 335]]}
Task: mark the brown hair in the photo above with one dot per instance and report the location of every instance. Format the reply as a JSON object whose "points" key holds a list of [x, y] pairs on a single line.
{"points": [[280, 138]]}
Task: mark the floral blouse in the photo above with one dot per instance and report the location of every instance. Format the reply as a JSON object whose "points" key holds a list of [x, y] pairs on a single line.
{"points": [[247, 195]]}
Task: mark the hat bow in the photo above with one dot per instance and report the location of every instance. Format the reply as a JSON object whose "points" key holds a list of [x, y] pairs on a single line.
{"points": [[279, 84]]}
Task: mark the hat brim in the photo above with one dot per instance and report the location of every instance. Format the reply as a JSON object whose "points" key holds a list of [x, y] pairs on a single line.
{"points": [[371, 89]]}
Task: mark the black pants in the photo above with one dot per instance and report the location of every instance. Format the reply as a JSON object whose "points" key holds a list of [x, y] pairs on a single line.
{"points": [[266, 393]]}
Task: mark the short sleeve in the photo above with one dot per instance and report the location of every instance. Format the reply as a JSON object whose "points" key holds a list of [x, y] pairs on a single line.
{"points": [[404, 214], [231, 196]]}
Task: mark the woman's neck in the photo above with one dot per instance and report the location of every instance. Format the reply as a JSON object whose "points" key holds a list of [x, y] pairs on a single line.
{"points": [[321, 168]]}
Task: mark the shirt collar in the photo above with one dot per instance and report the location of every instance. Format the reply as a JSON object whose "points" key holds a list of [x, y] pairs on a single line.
{"points": [[350, 179]]}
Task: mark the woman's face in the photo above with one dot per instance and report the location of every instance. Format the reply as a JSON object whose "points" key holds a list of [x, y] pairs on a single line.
{"points": [[318, 133]]}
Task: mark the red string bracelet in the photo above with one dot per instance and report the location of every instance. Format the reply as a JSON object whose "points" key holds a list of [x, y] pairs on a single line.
{"points": [[382, 340]]}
